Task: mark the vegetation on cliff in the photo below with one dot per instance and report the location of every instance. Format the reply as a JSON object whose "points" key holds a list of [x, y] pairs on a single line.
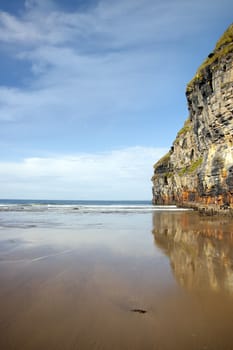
{"points": [[163, 161], [223, 47], [187, 127], [192, 167]]}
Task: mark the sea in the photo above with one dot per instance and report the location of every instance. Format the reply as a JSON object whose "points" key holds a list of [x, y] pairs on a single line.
{"points": [[81, 205], [42, 212], [114, 275]]}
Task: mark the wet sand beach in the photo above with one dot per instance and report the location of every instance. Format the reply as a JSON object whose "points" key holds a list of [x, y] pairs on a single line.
{"points": [[152, 280]]}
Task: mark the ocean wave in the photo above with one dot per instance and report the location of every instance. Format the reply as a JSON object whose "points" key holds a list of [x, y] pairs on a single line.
{"points": [[112, 208]]}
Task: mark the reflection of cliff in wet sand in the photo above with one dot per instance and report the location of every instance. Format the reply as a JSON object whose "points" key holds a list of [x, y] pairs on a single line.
{"points": [[200, 250]]}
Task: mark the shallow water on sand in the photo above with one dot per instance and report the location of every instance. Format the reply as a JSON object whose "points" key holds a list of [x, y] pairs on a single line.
{"points": [[115, 280]]}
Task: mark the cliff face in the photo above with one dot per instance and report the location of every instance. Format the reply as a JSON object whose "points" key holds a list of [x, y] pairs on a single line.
{"points": [[199, 166]]}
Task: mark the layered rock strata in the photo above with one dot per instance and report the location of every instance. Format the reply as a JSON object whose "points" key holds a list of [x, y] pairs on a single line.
{"points": [[199, 166]]}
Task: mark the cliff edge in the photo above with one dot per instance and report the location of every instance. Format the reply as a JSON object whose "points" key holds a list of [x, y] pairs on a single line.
{"points": [[198, 169]]}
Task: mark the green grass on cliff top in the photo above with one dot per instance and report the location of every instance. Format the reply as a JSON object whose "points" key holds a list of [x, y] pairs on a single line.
{"points": [[163, 161], [226, 39], [223, 47]]}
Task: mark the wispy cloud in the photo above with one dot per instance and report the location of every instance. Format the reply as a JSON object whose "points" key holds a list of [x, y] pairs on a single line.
{"points": [[107, 25], [119, 174]]}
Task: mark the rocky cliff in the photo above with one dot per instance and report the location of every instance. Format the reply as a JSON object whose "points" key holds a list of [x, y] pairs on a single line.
{"points": [[199, 166]]}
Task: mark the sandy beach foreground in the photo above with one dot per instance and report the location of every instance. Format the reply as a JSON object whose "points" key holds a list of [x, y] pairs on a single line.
{"points": [[161, 280]]}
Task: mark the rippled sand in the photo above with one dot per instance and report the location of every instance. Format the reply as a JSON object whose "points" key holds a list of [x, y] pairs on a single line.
{"points": [[117, 281]]}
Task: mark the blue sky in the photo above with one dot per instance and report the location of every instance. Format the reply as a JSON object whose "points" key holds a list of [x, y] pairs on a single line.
{"points": [[92, 92]]}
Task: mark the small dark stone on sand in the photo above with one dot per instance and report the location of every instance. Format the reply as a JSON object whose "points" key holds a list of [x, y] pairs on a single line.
{"points": [[140, 311]]}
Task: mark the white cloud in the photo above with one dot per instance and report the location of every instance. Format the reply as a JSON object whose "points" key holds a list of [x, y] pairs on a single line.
{"points": [[119, 174]]}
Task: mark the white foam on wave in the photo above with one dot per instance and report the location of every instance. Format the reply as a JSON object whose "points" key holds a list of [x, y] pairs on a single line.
{"points": [[111, 208]]}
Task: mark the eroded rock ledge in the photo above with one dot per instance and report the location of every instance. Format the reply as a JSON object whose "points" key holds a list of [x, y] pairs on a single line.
{"points": [[198, 169]]}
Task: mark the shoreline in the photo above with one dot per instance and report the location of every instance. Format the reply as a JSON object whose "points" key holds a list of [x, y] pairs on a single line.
{"points": [[208, 209]]}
